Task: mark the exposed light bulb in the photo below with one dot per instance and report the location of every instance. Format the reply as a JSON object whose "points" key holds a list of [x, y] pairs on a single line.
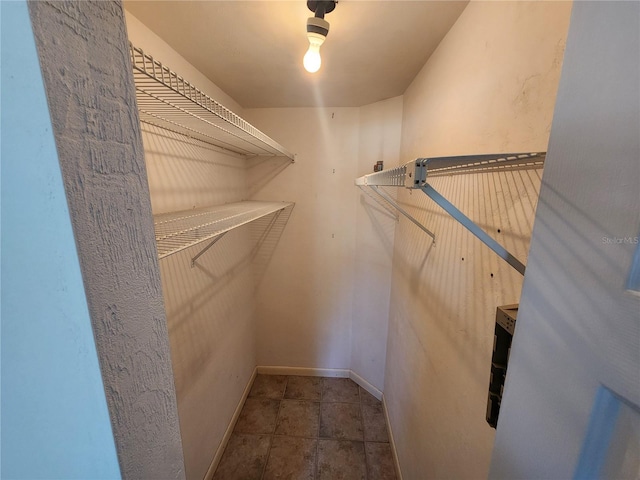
{"points": [[312, 60]]}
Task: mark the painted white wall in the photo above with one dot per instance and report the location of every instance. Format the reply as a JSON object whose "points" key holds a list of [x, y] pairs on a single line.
{"points": [[324, 298], [577, 328], [210, 307], [380, 131], [304, 303], [55, 422], [489, 87]]}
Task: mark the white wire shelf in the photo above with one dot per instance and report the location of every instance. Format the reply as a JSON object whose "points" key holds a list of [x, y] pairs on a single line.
{"points": [[414, 174], [180, 230], [167, 100]]}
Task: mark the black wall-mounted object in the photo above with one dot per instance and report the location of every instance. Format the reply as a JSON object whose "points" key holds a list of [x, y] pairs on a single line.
{"points": [[503, 335]]}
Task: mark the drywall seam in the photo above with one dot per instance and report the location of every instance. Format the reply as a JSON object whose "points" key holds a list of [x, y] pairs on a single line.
{"points": [[232, 424], [82, 47], [392, 442]]}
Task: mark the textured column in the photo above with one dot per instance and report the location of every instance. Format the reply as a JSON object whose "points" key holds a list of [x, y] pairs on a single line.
{"points": [[82, 47]]}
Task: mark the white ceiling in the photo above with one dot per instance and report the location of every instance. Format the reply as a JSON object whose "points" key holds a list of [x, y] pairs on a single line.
{"points": [[253, 49]]}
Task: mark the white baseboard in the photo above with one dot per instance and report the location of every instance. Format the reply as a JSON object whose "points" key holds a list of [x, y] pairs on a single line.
{"points": [[366, 385], [306, 372], [392, 442], [229, 431], [322, 372]]}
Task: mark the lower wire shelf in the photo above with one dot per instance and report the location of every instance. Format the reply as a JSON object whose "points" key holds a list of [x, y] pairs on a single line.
{"points": [[180, 230]]}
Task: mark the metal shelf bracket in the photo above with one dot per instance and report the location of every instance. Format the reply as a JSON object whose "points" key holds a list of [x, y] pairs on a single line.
{"points": [[466, 222], [414, 175], [211, 244]]}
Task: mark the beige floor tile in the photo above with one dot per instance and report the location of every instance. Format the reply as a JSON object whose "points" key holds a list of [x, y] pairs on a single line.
{"points": [[380, 464], [341, 460], [268, 386], [291, 458], [308, 428], [342, 390], [304, 388], [341, 421], [367, 399], [258, 415], [298, 418], [244, 458], [375, 426]]}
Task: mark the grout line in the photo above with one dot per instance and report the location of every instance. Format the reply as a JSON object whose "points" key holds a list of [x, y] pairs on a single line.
{"points": [[275, 426], [364, 437], [317, 472], [317, 437]]}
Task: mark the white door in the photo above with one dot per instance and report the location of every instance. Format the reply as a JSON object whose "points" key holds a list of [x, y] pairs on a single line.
{"points": [[571, 405]]}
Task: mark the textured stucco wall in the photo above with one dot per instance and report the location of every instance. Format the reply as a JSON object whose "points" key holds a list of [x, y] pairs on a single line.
{"points": [[85, 65], [489, 87]]}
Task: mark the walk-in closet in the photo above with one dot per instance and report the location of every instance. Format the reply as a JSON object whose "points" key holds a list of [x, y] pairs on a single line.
{"points": [[363, 240]]}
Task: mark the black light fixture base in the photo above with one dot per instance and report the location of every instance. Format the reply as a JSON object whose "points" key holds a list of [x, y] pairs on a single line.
{"points": [[321, 7]]}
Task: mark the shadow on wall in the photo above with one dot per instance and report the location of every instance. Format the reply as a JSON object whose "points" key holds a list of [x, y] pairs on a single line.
{"points": [[218, 273], [261, 170], [185, 173], [382, 207], [442, 312], [506, 187], [265, 234], [458, 282], [200, 299], [570, 298], [565, 244]]}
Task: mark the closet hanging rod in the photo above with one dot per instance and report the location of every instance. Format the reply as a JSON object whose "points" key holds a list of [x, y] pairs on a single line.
{"points": [[414, 175], [393, 203]]}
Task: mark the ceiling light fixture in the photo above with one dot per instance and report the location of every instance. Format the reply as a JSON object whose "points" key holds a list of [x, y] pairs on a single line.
{"points": [[317, 30]]}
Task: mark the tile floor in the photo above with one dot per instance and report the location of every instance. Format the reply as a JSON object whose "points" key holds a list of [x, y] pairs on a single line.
{"points": [[308, 428]]}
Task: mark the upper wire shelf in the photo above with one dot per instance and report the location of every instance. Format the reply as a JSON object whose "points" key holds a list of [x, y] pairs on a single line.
{"points": [[414, 174], [177, 231], [167, 100]]}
